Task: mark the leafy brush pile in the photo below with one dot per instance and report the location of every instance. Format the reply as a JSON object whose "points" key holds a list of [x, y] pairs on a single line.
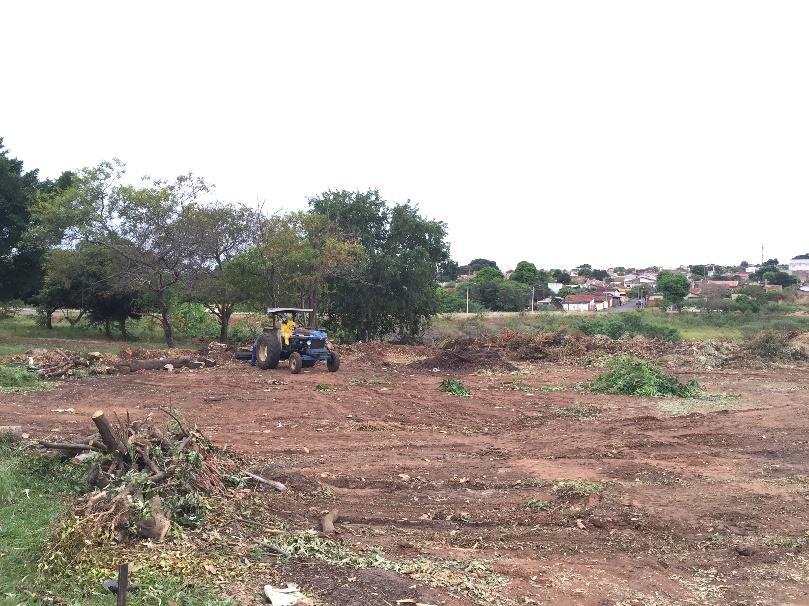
{"points": [[147, 478], [632, 376], [773, 346], [454, 387], [17, 378]]}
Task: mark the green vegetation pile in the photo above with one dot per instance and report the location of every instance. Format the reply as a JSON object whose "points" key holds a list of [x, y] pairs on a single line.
{"points": [[632, 376], [454, 387]]}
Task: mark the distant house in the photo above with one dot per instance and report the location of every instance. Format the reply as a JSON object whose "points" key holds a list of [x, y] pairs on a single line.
{"points": [[579, 302], [724, 283], [635, 279], [799, 267], [773, 287], [654, 300], [602, 300]]}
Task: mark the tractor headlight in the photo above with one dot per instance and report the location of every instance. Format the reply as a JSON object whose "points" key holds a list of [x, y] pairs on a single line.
{"points": [[309, 342]]}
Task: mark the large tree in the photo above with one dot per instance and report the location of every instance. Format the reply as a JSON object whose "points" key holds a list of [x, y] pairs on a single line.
{"points": [[525, 272], [220, 279], [674, 287], [148, 227], [393, 288]]}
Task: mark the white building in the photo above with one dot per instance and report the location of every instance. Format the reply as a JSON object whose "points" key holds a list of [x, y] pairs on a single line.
{"points": [[799, 267]]}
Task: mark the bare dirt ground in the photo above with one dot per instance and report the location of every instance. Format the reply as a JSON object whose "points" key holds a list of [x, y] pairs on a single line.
{"points": [[701, 502]]}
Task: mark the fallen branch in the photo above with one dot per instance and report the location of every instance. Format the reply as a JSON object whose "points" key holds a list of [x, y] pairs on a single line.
{"points": [[277, 485], [66, 446]]}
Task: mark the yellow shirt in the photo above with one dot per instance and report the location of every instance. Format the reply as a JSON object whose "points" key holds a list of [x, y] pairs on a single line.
{"points": [[287, 328]]}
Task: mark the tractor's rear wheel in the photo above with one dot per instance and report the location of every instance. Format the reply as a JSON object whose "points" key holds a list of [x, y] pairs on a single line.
{"points": [[333, 363], [295, 362], [268, 352]]}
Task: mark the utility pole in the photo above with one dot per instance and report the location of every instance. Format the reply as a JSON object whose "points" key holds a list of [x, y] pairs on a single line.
{"points": [[533, 297], [467, 301]]}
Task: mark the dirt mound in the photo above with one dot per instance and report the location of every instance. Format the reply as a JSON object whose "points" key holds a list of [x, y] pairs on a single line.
{"points": [[800, 341], [772, 346], [466, 355]]}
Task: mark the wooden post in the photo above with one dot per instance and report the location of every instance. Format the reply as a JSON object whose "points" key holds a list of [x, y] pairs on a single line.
{"points": [[112, 442], [123, 584]]}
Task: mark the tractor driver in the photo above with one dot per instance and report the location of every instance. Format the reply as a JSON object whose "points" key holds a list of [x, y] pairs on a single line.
{"points": [[287, 328]]}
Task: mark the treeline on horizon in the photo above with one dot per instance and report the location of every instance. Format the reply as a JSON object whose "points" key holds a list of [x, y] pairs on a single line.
{"points": [[92, 241]]}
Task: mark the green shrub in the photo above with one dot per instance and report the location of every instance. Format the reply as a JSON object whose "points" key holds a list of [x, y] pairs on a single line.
{"points": [[632, 376], [245, 330], [9, 309], [454, 387], [632, 324], [194, 320]]}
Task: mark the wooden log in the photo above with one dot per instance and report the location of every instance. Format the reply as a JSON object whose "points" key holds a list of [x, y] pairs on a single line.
{"points": [[328, 520], [277, 485], [65, 446], [183, 362], [12, 433], [112, 442]]}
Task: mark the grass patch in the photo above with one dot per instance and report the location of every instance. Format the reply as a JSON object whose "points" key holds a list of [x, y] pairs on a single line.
{"points": [[18, 378], [632, 376], [324, 387], [34, 491], [572, 489], [454, 387], [647, 322]]}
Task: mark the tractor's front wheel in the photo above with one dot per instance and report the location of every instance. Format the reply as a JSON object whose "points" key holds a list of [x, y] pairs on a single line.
{"points": [[268, 351], [295, 362], [333, 363]]}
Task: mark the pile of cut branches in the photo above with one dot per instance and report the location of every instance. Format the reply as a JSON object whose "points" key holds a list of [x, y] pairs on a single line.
{"points": [[57, 363], [146, 478]]}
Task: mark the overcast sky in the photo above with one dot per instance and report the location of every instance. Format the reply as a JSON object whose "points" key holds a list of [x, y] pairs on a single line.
{"points": [[630, 133]]}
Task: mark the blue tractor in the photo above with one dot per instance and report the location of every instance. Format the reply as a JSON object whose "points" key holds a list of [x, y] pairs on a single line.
{"points": [[287, 339]]}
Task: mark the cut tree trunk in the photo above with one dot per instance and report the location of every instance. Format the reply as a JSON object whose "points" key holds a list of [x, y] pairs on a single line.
{"points": [[111, 441], [328, 520]]}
